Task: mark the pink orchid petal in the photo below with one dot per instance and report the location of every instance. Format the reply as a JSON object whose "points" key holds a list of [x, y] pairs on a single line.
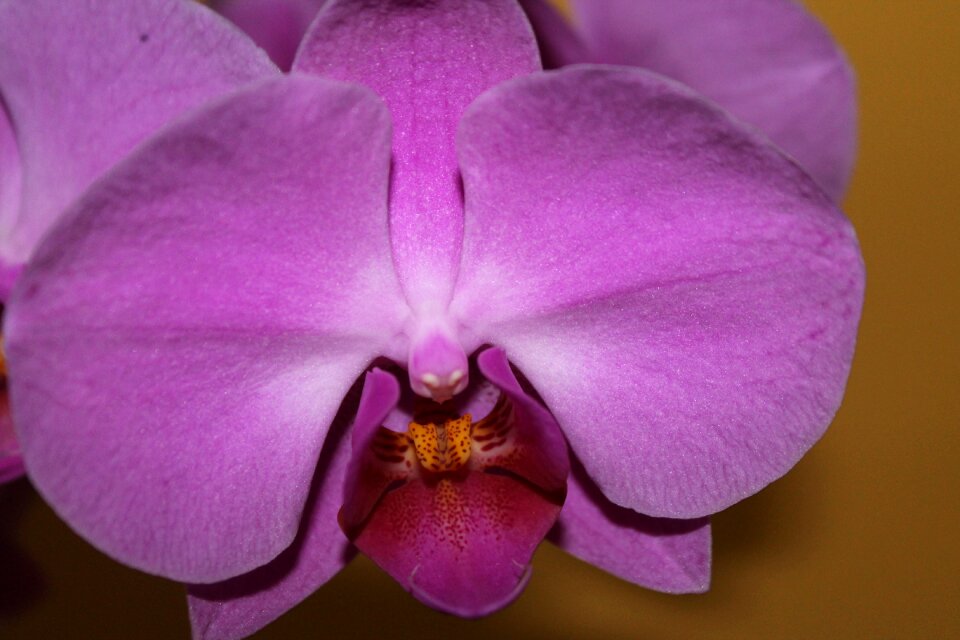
{"points": [[277, 26], [11, 177], [428, 61], [363, 488], [182, 339], [536, 449], [243, 605], [84, 84], [9, 273], [11, 462], [769, 62], [559, 44], [658, 553], [682, 296]]}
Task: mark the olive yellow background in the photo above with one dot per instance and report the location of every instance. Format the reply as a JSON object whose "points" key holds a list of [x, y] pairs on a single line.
{"points": [[860, 540]]}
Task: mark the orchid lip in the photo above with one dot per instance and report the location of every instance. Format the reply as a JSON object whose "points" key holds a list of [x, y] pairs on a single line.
{"points": [[452, 507]]}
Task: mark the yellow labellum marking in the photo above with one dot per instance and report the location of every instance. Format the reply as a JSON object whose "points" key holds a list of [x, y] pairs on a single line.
{"points": [[443, 445]]}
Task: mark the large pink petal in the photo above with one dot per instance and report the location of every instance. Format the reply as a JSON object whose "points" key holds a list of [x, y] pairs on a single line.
{"points": [[183, 337], [657, 553], [683, 297], [85, 82], [769, 62], [428, 60], [277, 26], [238, 607]]}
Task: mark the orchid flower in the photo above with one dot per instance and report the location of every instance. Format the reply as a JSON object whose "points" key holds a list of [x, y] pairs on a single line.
{"points": [[295, 319], [768, 62], [79, 99]]}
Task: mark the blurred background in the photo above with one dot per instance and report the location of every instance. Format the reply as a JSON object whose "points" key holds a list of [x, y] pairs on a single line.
{"points": [[860, 540]]}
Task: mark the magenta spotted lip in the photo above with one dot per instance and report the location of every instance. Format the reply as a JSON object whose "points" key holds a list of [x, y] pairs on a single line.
{"points": [[454, 509], [210, 276]]}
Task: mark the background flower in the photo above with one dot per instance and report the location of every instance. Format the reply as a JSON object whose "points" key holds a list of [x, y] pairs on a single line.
{"points": [[769, 62]]}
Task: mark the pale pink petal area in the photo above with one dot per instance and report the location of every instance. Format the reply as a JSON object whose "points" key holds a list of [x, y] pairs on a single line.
{"points": [[658, 553], [428, 61], [559, 43], [85, 82], [239, 607], [460, 541], [277, 26], [769, 62], [182, 339], [683, 297]]}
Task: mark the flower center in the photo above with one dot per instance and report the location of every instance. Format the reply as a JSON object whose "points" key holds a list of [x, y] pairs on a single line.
{"points": [[451, 507], [443, 443]]}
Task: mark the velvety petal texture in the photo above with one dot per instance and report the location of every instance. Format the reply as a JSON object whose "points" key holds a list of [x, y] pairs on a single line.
{"points": [[460, 539], [277, 26], [182, 339], [672, 556], [428, 60], [84, 82], [683, 297], [769, 62], [238, 607]]}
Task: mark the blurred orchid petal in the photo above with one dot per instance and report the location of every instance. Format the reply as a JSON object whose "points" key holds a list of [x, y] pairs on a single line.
{"points": [[769, 62]]}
